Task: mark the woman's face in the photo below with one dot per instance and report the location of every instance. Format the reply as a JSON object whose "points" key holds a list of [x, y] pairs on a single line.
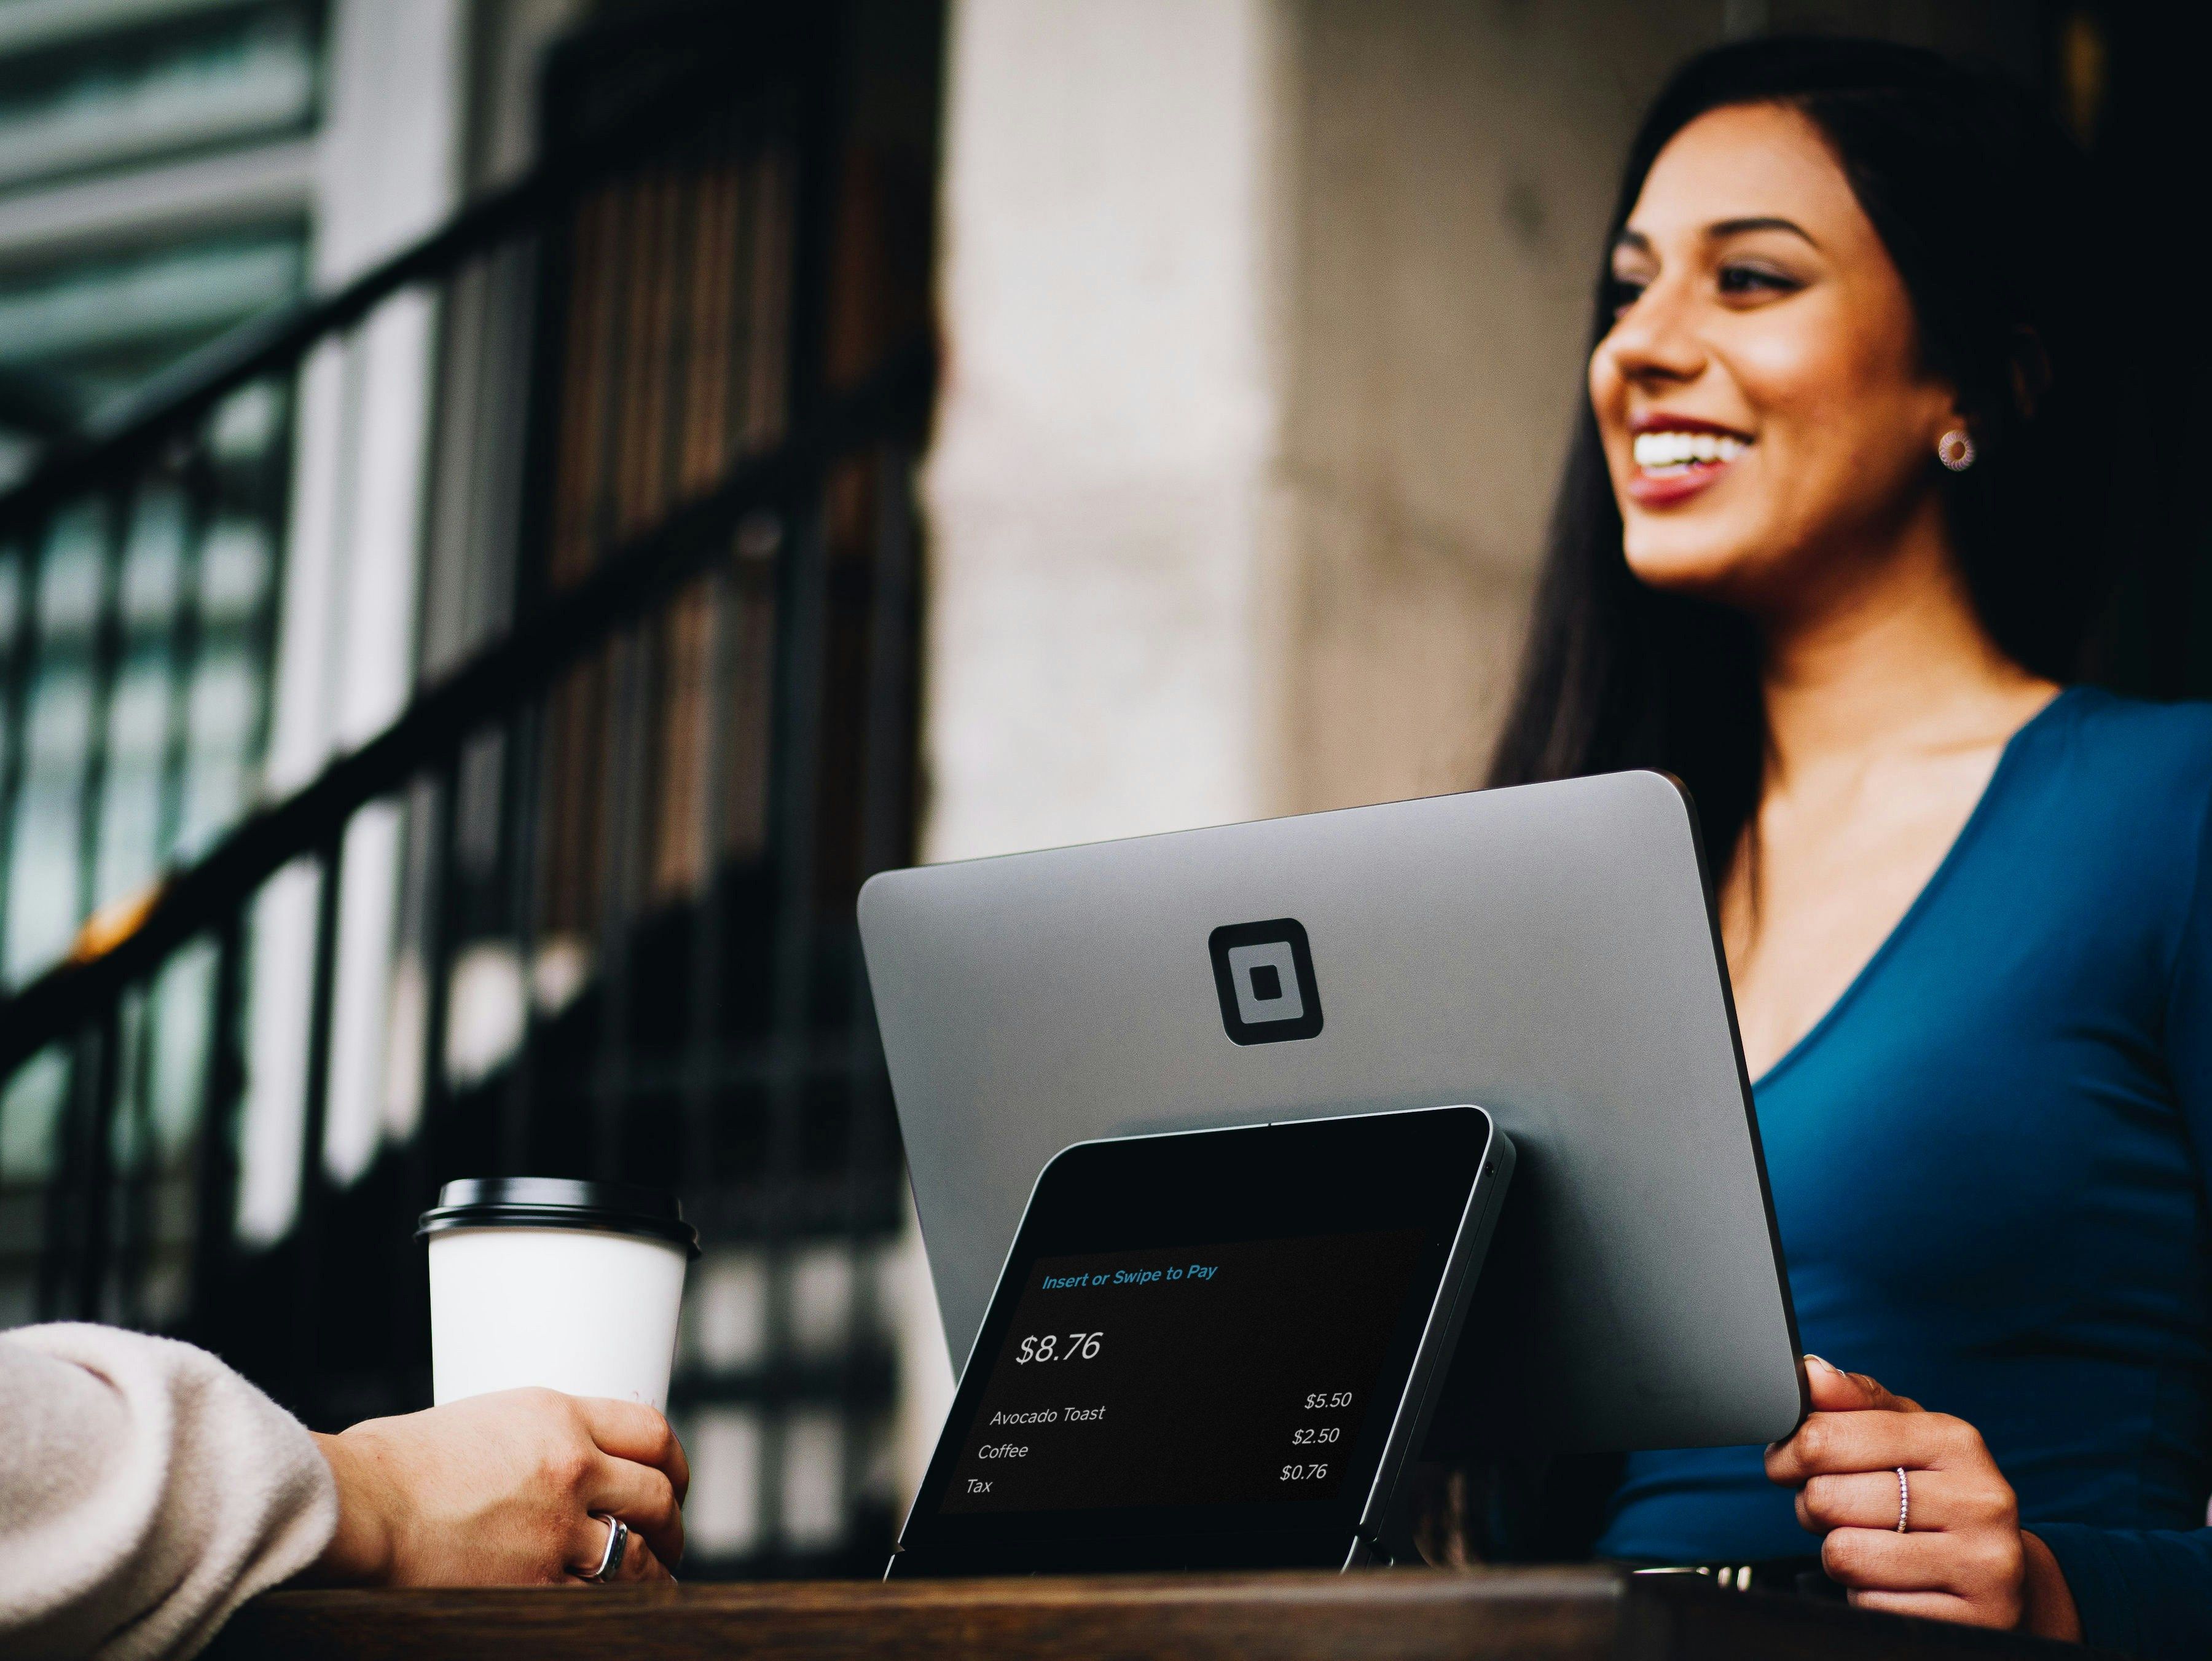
{"points": [[1761, 396]]}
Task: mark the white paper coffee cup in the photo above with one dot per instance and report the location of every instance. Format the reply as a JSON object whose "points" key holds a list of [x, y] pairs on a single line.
{"points": [[541, 1280]]}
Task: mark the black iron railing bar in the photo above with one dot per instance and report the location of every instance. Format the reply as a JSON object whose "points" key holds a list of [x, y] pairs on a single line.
{"points": [[818, 106], [74, 1265], [440, 938], [512, 283], [801, 629], [521, 801], [313, 1190], [96, 1197], [891, 662], [798, 664], [795, 661], [454, 497], [689, 182], [704, 1047], [215, 1177], [611, 278], [749, 198], [24, 651], [196, 489], [569, 624], [136, 1224], [623, 823], [624, 666], [680, 653], [800, 633], [117, 515], [686, 375], [884, 812], [57, 1220], [431, 816], [747, 203], [608, 320]]}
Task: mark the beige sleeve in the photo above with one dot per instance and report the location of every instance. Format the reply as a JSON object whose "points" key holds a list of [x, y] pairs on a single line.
{"points": [[146, 1491]]}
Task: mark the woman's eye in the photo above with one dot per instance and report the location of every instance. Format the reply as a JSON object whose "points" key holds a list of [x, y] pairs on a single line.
{"points": [[1752, 280], [1621, 293]]}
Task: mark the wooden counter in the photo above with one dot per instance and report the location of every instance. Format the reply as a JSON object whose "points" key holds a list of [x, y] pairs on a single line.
{"points": [[1385, 1616]]}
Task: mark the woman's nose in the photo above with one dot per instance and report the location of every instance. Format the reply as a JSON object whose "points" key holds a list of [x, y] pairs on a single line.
{"points": [[1653, 341]]}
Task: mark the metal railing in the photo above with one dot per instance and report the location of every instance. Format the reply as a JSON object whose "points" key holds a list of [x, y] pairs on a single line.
{"points": [[615, 845]]}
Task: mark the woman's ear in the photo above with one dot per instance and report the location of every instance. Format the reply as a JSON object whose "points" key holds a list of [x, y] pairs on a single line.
{"points": [[1955, 418]]}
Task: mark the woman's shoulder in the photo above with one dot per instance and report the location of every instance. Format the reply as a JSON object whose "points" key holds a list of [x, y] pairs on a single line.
{"points": [[2142, 765], [2110, 732], [2103, 810]]}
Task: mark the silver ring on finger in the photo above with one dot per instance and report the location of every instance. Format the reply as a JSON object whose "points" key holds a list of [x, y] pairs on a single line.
{"points": [[1904, 1503], [610, 1560]]}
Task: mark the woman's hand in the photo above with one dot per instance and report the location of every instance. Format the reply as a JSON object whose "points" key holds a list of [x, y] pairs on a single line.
{"points": [[1964, 1558], [499, 1489]]}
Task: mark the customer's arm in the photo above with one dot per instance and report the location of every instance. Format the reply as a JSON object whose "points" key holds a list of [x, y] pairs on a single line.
{"points": [[146, 1491]]}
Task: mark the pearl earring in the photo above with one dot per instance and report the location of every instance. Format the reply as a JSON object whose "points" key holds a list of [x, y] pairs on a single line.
{"points": [[1955, 449]]}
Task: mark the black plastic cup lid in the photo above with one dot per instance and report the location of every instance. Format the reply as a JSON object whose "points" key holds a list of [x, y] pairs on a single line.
{"points": [[559, 1202]]}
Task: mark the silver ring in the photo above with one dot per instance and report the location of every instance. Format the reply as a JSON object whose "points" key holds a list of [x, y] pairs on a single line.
{"points": [[1904, 1503], [618, 1547]]}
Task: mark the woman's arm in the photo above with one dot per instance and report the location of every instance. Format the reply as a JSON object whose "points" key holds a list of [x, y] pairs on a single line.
{"points": [[2149, 1592], [146, 1491]]}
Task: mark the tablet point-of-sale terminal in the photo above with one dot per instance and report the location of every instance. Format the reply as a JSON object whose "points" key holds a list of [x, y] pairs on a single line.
{"points": [[1214, 1349]]}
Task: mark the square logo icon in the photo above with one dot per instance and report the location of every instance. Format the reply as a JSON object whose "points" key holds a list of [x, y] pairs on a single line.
{"points": [[1264, 973]]}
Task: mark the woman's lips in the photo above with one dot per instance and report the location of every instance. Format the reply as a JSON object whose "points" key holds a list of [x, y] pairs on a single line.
{"points": [[1663, 489], [1676, 460]]}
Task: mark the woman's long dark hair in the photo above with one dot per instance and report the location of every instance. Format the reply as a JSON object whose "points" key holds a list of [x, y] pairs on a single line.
{"points": [[1982, 202]]}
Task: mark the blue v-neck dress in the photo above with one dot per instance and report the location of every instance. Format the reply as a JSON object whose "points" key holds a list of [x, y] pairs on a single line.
{"points": [[1989, 1165]]}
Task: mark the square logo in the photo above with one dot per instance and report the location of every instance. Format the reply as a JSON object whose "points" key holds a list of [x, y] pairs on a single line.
{"points": [[1264, 973]]}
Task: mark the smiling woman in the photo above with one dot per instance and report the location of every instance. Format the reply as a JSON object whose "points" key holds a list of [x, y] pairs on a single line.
{"points": [[1829, 542]]}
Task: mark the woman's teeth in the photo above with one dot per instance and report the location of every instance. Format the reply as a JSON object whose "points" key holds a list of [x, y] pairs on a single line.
{"points": [[1677, 452]]}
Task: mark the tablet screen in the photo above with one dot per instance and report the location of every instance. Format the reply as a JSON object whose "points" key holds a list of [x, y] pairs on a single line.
{"points": [[1214, 1374], [1211, 1334]]}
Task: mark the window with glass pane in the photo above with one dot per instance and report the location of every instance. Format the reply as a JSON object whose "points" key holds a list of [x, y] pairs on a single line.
{"points": [[81, 94], [135, 628]]}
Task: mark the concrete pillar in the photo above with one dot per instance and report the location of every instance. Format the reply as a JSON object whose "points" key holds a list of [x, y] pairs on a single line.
{"points": [[1098, 493]]}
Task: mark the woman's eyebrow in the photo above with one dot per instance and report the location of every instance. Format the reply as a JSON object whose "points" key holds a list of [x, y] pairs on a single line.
{"points": [[1636, 241], [1736, 228]]}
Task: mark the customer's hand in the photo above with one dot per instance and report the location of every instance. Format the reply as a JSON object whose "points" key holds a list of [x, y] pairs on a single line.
{"points": [[1964, 1557], [498, 1490]]}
